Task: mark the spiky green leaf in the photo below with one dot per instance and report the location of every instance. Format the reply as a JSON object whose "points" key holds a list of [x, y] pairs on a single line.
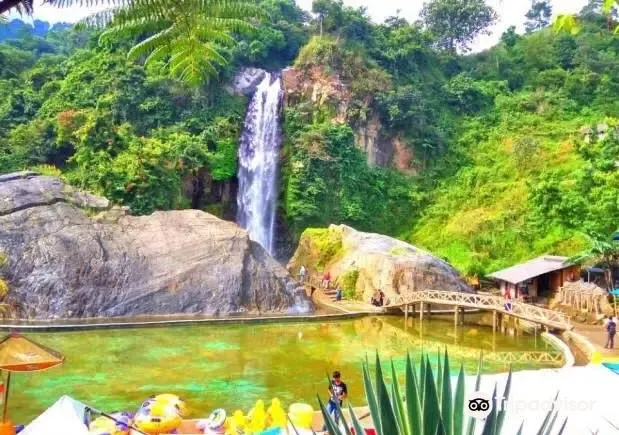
{"points": [[458, 412], [431, 407], [413, 404], [446, 399]]}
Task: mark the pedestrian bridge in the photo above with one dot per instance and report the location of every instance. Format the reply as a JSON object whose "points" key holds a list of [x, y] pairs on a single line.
{"points": [[532, 313]]}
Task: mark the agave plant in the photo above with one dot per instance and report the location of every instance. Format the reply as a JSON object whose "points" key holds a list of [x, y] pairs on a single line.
{"points": [[429, 405]]}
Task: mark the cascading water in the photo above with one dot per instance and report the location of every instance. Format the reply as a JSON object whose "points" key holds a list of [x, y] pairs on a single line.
{"points": [[258, 163]]}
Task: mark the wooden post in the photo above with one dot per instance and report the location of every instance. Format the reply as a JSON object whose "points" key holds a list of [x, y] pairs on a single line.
{"points": [[462, 315], [6, 396], [495, 319], [421, 310], [456, 309], [429, 310], [406, 314]]}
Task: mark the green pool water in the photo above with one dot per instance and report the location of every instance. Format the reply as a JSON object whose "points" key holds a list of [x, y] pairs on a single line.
{"points": [[232, 366]]}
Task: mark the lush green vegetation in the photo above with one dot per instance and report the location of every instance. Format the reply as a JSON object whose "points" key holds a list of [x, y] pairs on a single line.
{"points": [[528, 181], [498, 170], [73, 99]]}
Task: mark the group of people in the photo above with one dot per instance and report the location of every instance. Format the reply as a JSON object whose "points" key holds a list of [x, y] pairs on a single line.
{"points": [[324, 283], [378, 299]]}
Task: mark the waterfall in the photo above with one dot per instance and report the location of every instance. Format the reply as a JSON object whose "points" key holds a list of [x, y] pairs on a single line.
{"points": [[258, 163]]}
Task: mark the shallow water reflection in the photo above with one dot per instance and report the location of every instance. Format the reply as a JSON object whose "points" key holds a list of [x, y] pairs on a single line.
{"points": [[232, 366]]}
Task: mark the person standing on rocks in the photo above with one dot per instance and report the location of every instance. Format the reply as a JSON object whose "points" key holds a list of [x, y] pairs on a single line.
{"points": [[611, 329], [339, 294], [302, 273], [326, 279]]}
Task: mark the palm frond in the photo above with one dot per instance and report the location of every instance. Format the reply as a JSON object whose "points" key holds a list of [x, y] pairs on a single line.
{"points": [[151, 43], [191, 32], [23, 7]]}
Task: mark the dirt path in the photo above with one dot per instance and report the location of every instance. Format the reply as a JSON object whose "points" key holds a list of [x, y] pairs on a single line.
{"points": [[596, 334], [322, 299]]}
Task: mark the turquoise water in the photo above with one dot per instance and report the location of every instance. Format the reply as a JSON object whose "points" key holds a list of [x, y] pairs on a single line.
{"points": [[232, 366], [613, 366]]}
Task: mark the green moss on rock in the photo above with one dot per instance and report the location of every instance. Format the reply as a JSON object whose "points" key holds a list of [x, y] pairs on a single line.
{"points": [[348, 282], [326, 245]]}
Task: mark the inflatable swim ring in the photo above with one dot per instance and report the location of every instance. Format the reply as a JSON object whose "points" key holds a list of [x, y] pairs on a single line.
{"points": [[168, 399], [215, 424], [158, 418], [106, 426]]}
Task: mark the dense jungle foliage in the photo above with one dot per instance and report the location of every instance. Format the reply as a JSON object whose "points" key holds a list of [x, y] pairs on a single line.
{"points": [[513, 150]]}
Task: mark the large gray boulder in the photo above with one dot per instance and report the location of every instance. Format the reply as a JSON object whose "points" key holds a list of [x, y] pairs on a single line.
{"points": [[70, 255], [368, 261]]}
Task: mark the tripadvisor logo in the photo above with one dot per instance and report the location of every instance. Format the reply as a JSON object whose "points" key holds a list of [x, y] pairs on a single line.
{"points": [[479, 404]]}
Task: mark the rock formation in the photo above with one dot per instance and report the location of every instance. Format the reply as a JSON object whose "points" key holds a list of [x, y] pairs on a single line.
{"points": [[70, 255], [327, 89], [368, 262], [247, 80]]}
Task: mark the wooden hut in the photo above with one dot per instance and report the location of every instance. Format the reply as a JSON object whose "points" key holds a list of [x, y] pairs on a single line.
{"points": [[538, 278]]}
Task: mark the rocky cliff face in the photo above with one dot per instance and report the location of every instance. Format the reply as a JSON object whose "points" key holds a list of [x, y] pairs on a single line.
{"points": [[325, 89], [70, 255], [368, 262]]}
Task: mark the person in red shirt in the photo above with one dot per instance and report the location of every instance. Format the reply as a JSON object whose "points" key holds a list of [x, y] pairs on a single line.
{"points": [[508, 300], [326, 278]]}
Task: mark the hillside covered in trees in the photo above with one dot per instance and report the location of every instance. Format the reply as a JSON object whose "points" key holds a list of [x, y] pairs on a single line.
{"points": [[394, 127]]}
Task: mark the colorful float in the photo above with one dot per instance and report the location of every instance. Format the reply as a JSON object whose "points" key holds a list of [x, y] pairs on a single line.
{"points": [[165, 415], [119, 424]]}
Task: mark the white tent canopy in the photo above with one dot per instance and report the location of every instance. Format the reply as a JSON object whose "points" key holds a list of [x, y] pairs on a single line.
{"points": [[65, 417]]}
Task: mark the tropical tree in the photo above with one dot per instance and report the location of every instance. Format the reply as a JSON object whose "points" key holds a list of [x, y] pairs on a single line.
{"points": [[510, 38], [456, 23], [187, 34], [602, 251], [570, 22], [538, 16]]}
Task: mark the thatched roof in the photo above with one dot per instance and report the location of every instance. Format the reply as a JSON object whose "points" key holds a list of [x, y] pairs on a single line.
{"points": [[531, 269]]}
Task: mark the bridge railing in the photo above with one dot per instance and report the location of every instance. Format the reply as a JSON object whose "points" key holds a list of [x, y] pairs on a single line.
{"points": [[487, 302]]}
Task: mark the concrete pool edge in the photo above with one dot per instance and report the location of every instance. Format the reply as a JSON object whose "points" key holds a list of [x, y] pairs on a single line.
{"points": [[570, 361], [581, 342], [50, 327]]}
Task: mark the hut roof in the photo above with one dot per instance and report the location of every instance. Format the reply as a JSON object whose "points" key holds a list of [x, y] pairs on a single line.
{"points": [[536, 267]]}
